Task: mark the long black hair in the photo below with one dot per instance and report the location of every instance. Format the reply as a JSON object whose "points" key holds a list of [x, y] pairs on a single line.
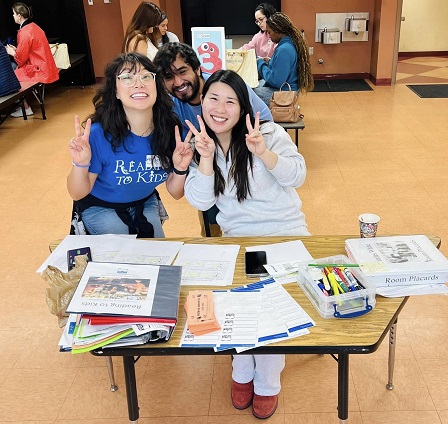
{"points": [[242, 158], [281, 24], [110, 114]]}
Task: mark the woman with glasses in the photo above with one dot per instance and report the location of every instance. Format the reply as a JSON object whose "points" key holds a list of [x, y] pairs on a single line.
{"points": [[263, 45], [140, 35], [129, 145], [290, 62]]}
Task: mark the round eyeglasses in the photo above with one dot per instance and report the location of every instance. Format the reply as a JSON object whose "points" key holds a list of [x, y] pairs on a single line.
{"points": [[259, 21], [128, 79]]}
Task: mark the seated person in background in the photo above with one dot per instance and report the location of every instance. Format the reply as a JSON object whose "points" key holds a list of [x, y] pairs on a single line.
{"points": [[8, 80], [181, 70], [261, 42], [250, 171], [129, 146], [139, 34], [33, 56], [290, 62], [161, 33]]}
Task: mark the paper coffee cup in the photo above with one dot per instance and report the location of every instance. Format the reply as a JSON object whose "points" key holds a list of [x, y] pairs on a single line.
{"points": [[368, 224]]}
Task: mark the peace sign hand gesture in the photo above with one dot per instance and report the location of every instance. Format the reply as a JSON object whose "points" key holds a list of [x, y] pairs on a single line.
{"points": [[183, 153], [79, 145], [255, 140], [203, 143]]}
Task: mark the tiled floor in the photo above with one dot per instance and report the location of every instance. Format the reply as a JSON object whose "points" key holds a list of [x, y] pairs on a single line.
{"points": [[383, 151], [422, 70]]}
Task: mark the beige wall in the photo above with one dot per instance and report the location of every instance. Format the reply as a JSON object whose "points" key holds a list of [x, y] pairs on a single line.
{"points": [[108, 22], [425, 26], [345, 58], [383, 41]]}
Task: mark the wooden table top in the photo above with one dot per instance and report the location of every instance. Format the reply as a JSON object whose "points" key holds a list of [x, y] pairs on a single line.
{"points": [[356, 335]]}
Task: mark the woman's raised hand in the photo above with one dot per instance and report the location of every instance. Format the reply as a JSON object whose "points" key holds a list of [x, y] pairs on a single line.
{"points": [[183, 153], [255, 140], [79, 144], [202, 141]]}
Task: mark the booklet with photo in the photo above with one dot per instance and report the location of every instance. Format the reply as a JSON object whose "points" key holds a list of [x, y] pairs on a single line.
{"points": [[398, 260], [124, 289]]}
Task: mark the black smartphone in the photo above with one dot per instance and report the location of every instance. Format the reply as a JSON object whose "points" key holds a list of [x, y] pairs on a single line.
{"points": [[71, 254], [254, 262]]}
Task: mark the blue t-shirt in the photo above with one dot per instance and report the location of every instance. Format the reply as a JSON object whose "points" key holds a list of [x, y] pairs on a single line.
{"points": [[186, 111], [124, 176]]}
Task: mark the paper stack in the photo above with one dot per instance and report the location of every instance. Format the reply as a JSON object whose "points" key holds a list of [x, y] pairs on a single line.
{"points": [[251, 316]]}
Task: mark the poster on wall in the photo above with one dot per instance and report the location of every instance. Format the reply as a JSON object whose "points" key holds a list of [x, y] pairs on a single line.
{"points": [[209, 45]]}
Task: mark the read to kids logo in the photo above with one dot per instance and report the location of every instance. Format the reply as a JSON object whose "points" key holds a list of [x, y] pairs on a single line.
{"points": [[149, 171]]}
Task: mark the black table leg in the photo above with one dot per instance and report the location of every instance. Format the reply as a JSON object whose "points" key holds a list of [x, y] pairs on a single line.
{"points": [[131, 388], [343, 366]]}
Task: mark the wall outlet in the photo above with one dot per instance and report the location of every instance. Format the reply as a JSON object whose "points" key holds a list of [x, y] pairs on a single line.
{"points": [[311, 51], [90, 2]]}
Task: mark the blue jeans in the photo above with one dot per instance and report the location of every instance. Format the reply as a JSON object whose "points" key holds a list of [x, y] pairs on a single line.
{"points": [[264, 93], [98, 220]]}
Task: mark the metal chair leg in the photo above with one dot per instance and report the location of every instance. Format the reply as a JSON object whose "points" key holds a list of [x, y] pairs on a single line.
{"points": [[110, 370], [391, 360]]}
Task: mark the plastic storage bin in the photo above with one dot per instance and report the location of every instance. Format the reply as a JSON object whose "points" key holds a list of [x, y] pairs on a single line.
{"points": [[347, 305]]}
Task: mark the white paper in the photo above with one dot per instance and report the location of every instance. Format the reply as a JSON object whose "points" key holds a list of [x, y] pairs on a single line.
{"points": [[274, 317], [400, 291], [207, 264], [238, 314], [286, 252], [115, 248]]}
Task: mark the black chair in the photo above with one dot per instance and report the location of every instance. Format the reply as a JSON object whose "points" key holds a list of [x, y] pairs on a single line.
{"points": [[209, 218]]}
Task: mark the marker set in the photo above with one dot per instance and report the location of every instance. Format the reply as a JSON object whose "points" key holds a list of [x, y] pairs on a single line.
{"points": [[336, 288], [334, 280]]}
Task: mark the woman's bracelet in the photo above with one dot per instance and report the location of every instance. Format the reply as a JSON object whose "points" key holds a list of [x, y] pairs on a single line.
{"points": [[176, 171], [80, 166]]}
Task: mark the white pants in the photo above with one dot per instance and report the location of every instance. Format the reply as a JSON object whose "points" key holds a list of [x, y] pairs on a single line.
{"points": [[264, 370]]}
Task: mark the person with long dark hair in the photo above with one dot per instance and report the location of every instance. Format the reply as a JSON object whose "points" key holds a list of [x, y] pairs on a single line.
{"points": [[249, 170], [261, 42], [130, 145], [161, 33], [140, 33], [290, 62]]}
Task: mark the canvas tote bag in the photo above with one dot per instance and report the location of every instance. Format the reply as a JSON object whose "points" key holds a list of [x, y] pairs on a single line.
{"points": [[60, 54], [244, 63], [284, 105]]}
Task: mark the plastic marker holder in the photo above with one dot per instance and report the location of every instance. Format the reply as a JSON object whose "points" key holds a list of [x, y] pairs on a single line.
{"points": [[350, 295]]}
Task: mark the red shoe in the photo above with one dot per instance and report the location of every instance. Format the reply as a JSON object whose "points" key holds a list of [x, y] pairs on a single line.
{"points": [[242, 394], [264, 406]]}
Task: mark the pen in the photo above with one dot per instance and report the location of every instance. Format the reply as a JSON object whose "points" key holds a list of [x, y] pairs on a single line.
{"points": [[353, 280], [344, 288], [321, 286], [338, 265], [333, 283], [344, 279]]}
